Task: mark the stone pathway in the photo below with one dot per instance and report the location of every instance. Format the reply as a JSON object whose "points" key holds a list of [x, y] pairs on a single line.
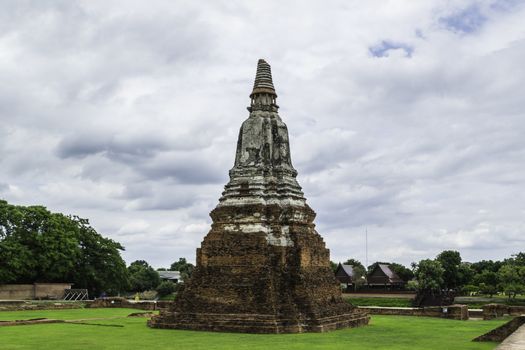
{"points": [[515, 341]]}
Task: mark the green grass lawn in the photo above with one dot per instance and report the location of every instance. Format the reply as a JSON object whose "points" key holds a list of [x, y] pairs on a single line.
{"points": [[390, 302], [67, 314], [384, 332]]}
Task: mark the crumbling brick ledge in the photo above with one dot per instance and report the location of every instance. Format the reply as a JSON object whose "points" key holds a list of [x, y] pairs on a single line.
{"points": [[22, 305], [500, 333], [455, 312]]}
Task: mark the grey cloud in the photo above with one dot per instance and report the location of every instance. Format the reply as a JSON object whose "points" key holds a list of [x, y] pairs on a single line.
{"points": [[172, 197], [3, 187], [185, 168], [137, 190], [130, 115]]}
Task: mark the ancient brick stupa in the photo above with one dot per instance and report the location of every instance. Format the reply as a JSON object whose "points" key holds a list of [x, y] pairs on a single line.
{"points": [[262, 268]]}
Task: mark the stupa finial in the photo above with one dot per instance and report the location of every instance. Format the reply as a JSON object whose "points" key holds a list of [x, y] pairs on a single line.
{"points": [[263, 79], [263, 94]]}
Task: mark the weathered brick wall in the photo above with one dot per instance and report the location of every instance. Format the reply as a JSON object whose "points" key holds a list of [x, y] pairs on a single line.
{"points": [[119, 302], [491, 311], [33, 291], [503, 331], [17, 291], [456, 312], [38, 305], [51, 290]]}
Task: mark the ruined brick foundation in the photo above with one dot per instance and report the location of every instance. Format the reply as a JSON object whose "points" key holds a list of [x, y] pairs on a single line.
{"points": [[244, 284]]}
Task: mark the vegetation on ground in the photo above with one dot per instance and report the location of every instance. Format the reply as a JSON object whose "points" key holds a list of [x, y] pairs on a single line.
{"points": [[384, 332], [385, 302], [166, 288], [66, 314]]}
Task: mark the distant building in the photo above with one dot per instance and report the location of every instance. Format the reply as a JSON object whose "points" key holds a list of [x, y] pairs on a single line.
{"points": [[173, 276], [345, 274], [383, 276]]}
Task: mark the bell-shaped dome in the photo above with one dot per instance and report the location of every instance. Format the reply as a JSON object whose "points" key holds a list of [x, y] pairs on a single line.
{"points": [[263, 167]]}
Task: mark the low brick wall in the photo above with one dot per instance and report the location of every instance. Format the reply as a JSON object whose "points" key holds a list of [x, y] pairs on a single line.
{"points": [[503, 331], [455, 312], [33, 291], [491, 311], [125, 303], [475, 313], [38, 305]]}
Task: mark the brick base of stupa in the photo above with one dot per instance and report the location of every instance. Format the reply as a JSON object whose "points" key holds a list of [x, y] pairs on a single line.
{"points": [[261, 269], [252, 323]]}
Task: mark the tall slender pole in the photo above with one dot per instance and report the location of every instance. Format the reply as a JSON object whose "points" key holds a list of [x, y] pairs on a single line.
{"points": [[366, 246]]}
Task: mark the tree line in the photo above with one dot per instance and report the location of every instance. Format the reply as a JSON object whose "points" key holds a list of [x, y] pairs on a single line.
{"points": [[448, 272], [37, 245]]}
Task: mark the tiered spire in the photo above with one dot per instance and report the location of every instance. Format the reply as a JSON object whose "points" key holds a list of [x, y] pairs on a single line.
{"points": [[263, 94], [263, 79]]}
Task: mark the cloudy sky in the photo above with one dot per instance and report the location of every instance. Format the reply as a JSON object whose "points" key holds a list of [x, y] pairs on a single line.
{"points": [[406, 118]]}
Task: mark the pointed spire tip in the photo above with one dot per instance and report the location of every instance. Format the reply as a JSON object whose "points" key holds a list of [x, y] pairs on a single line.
{"points": [[263, 79]]}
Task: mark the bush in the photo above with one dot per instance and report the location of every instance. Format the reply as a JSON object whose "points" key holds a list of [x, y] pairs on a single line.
{"points": [[148, 295], [166, 288]]}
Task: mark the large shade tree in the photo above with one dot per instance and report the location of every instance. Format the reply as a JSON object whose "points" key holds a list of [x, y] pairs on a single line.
{"points": [[39, 246], [142, 276], [429, 275], [456, 274], [184, 267]]}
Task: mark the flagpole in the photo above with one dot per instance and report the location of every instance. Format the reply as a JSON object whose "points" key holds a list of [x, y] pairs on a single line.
{"points": [[366, 246]]}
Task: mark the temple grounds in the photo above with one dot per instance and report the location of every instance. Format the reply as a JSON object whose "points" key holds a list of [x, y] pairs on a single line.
{"points": [[112, 329]]}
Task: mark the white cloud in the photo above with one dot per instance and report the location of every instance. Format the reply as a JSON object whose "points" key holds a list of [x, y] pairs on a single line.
{"points": [[405, 117]]}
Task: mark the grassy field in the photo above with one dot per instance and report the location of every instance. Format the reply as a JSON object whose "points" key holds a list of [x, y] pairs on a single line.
{"points": [[393, 302], [384, 332]]}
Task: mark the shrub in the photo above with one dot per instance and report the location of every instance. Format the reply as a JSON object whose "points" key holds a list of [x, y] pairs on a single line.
{"points": [[166, 288]]}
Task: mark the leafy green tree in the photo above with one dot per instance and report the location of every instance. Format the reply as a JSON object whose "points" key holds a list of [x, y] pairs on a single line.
{"points": [[486, 265], [402, 271], [412, 285], [142, 276], [456, 274], [487, 282], [166, 288], [99, 268], [39, 246], [515, 259], [512, 279], [333, 265], [354, 263], [185, 268], [429, 275], [519, 259]]}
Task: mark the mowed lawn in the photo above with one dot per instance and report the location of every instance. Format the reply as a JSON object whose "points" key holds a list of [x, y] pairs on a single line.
{"points": [[384, 332]]}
